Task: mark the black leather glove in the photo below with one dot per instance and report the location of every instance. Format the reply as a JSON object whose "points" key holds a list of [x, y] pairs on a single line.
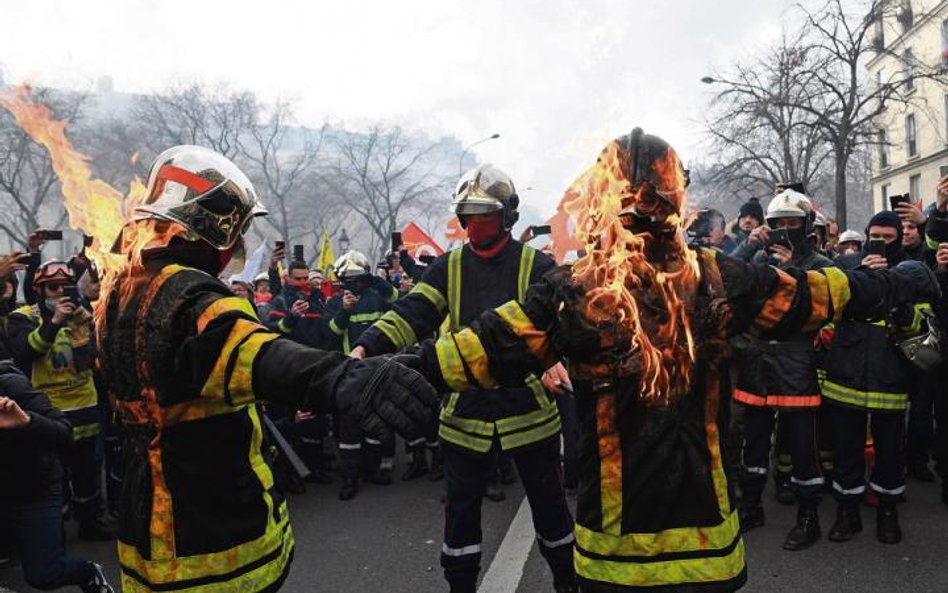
{"points": [[387, 395], [920, 278]]}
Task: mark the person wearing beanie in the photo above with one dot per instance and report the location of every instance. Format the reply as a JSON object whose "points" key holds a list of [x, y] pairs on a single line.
{"points": [[750, 216], [868, 378]]}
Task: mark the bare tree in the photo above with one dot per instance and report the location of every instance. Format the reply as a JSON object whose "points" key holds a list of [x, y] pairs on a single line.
{"points": [[29, 188], [385, 176], [216, 118], [830, 85], [282, 161], [757, 133]]}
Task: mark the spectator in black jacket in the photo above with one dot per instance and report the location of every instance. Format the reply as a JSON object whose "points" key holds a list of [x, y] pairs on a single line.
{"points": [[33, 434]]}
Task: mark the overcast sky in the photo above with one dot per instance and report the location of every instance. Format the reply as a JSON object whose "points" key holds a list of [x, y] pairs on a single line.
{"points": [[556, 79]]}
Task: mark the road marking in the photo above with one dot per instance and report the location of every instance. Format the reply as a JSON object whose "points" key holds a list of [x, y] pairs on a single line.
{"points": [[506, 569]]}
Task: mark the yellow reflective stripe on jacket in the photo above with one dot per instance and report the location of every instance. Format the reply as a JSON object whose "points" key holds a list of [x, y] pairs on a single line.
{"points": [[537, 341], [225, 305], [85, 431], [469, 425], [240, 382], [915, 328], [873, 400], [549, 429], [36, 341], [450, 435], [717, 554], [365, 317], [454, 289], [829, 294], [433, 295], [397, 330], [449, 359], [334, 327], [475, 358], [527, 256], [220, 380], [931, 242]]}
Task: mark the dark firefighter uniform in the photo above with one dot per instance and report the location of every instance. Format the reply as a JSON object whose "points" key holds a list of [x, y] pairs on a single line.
{"points": [[654, 509], [187, 362], [376, 296], [457, 288]]}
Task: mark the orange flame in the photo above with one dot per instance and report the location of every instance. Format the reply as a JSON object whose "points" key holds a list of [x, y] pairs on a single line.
{"points": [[94, 207], [623, 287]]}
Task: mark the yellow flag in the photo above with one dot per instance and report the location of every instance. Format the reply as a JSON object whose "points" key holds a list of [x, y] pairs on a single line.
{"points": [[326, 256]]}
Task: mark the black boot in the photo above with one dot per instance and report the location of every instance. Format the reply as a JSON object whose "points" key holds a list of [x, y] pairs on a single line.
{"points": [[783, 491], [97, 530], [350, 487], [97, 583], [750, 514], [807, 530], [418, 466], [848, 523], [887, 524], [379, 476], [436, 472]]}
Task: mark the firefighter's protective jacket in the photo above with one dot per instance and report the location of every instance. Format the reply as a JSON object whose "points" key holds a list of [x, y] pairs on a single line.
{"points": [[458, 287], [187, 361], [654, 509], [59, 362]]}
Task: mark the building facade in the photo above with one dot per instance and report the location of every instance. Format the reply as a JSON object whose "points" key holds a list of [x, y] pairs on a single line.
{"points": [[911, 153]]}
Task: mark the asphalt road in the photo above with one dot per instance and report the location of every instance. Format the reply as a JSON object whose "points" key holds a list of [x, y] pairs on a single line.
{"points": [[388, 539]]}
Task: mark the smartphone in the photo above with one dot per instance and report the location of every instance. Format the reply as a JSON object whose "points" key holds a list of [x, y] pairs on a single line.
{"points": [[33, 260], [426, 258], [50, 235], [279, 245], [779, 237], [72, 293], [396, 241], [541, 229], [87, 240], [899, 199], [877, 247], [943, 171], [298, 253]]}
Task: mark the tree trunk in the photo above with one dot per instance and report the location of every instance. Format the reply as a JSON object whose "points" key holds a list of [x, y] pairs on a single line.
{"points": [[840, 178]]}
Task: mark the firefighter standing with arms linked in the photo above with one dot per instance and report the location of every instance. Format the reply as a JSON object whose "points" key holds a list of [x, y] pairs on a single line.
{"points": [[187, 362], [491, 269], [643, 322]]}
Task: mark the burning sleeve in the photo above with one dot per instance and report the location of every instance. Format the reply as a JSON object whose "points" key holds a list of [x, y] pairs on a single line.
{"points": [[419, 313]]}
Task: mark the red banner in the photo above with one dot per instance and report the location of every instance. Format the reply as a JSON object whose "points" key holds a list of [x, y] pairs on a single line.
{"points": [[417, 242]]}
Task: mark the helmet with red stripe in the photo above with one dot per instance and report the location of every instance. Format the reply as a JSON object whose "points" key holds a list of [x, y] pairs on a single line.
{"points": [[203, 191], [54, 271]]}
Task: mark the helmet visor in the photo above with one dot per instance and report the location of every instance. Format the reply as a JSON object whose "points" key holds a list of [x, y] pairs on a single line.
{"points": [[220, 217], [476, 206]]}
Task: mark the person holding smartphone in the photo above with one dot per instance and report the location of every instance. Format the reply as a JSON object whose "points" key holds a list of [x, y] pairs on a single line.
{"points": [[867, 377], [777, 384], [52, 342]]}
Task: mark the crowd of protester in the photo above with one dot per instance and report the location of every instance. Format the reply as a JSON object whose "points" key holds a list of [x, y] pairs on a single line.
{"points": [[851, 410]]}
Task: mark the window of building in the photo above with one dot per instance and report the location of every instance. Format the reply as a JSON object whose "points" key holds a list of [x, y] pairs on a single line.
{"points": [[915, 184], [883, 149], [885, 195], [911, 141], [906, 17], [908, 70], [946, 119]]}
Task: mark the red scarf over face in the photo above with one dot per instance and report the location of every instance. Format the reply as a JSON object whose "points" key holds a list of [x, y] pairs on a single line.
{"points": [[487, 236]]}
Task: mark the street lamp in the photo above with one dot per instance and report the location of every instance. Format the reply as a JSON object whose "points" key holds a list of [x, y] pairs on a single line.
{"points": [[343, 241], [708, 80], [469, 147]]}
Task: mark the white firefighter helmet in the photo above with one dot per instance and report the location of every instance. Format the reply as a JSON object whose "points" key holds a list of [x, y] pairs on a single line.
{"points": [[485, 189], [352, 264], [820, 220], [849, 236], [789, 204], [261, 277], [203, 191]]}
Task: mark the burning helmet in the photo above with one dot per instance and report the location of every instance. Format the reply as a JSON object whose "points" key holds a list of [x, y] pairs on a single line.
{"points": [[352, 264], [54, 271], [791, 204], [485, 189], [655, 173], [204, 192]]}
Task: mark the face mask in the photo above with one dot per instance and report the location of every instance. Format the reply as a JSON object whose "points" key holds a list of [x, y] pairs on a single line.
{"points": [[797, 236], [396, 278], [52, 303], [483, 233]]}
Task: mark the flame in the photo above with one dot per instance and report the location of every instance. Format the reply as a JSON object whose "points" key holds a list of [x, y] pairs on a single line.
{"points": [[94, 207], [623, 287]]}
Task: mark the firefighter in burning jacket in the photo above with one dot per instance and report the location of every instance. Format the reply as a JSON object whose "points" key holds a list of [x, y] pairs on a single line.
{"points": [[187, 362], [643, 323], [491, 269]]}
